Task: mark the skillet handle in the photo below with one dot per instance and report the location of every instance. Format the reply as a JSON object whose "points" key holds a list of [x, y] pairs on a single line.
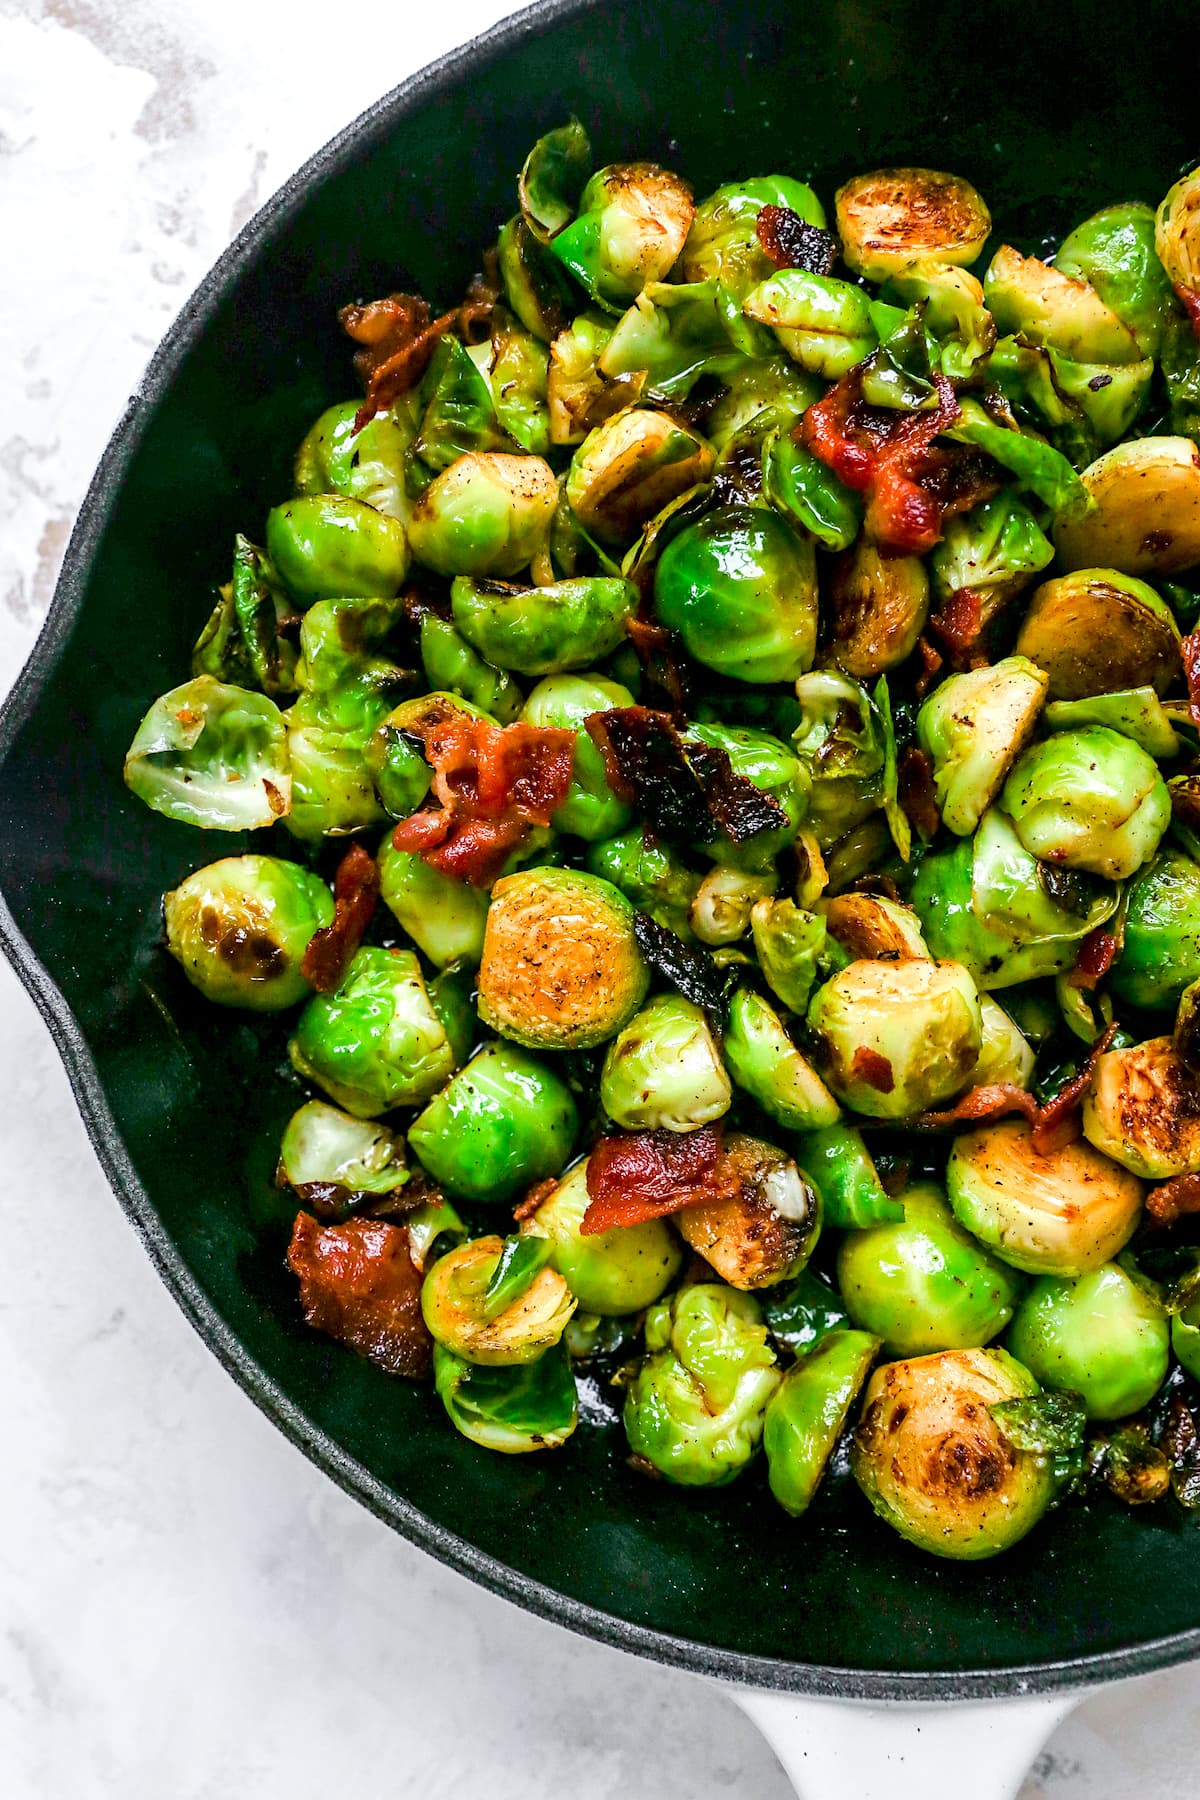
{"points": [[839, 1750]]}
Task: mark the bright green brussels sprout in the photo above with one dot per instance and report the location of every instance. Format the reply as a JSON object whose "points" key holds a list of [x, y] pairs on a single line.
{"points": [[664, 1070], [1177, 237], [332, 791], [1101, 1336], [332, 1160], [1054, 1212], [456, 1306], [1109, 397], [1055, 310], [953, 313], [740, 588], [695, 1408], [396, 764], [378, 1041], [923, 1283], [487, 514], [327, 547], [789, 944], [770, 385], [214, 756], [611, 1273], [1136, 713], [1143, 1110], [1006, 1058], [452, 666], [723, 243], [1145, 512], [1160, 950], [765, 1063], [764, 1221], [720, 911], [1090, 800], [366, 465], [808, 492], [631, 466], [1185, 1338], [1114, 251], [974, 726], [535, 286], [632, 223], [823, 324], [893, 1039], [519, 376], [591, 810], [839, 1164], [890, 218], [513, 1410], [239, 929], [650, 875], [1096, 631], [808, 1410], [672, 334], [544, 630], [561, 968], [502, 1123], [933, 1459], [242, 642]]}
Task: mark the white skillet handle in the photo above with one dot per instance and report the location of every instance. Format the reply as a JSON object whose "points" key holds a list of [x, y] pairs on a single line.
{"points": [[837, 1750]]}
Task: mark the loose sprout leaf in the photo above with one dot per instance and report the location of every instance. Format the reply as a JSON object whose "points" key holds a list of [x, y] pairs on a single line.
{"points": [[800, 1311], [1050, 1426], [553, 178], [1037, 465], [459, 414], [521, 1259], [896, 817], [262, 609], [1135, 1470], [212, 755], [687, 967], [532, 1406], [1180, 1443], [792, 243]]}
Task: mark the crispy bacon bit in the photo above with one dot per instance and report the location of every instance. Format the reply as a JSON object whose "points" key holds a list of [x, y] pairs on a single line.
{"points": [[1095, 959], [1063, 1110], [525, 1209], [664, 661], [917, 794], [980, 1105], [358, 1282], [1190, 651], [959, 625], [355, 892], [931, 663], [398, 338], [1172, 1201], [493, 783], [1190, 300], [648, 1174], [792, 243], [1053, 1126], [688, 967], [872, 1068], [686, 792]]}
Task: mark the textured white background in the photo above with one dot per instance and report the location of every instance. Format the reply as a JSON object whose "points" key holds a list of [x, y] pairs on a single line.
{"points": [[188, 1610]]}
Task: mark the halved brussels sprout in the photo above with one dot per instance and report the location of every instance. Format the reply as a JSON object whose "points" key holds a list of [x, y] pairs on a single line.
{"points": [[760, 385], [789, 944], [1102, 1336], [629, 468], [332, 1160], [366, 465], [239, 929], [1055, 310], [720, 910], [455, 1307], [723, 242], [611, 1273], [880, 605], [974, 726], [1006, 1057], [871, 928], [487, 514], [1145, 512], [1143, 1110], [544, 630], [533, 1406], [923, 1283], [504, 1122], [1090, 800], [1185, 1338], [935, 1463], [632, 224], [591, 809], [823, 324], [377, 1042], [695, 1408], [892, 217], [328, 547], [893, 1039], [212, 755], [452, 666], [1051, 1212], [1136, 713], [764, 1223], [1097, 630], [650, 875], [561, 968], [1177, 238], [1114, 251], [1160, 949], [765, 1063], [740, 588], [445, 918], [664, 1070], [808, 1410]]}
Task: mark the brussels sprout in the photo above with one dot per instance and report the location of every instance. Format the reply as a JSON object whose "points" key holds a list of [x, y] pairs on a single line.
{"points": [[239, 929], [892, 217], [333, 1161], [452, 666], [995, 550], [695, 1408], [326, 546], [543, 630], [1096, 631], [934, 1461], [611, 1273], [823, 324], [630, 467], [869, 927], [664, 1070], [591, 809], [841, 740], [1006, 1058], [1145, 513], [553, 177], [1090, 800], [720, 910], [458, 416], [242, 642], [880, 605], [332, 792], [807, 1412], [765, 1063], [378, 1041], [1185, 1338], [923, 1283], [893, 1039], [502, 1123], [1056, 1212], [393, 754], [739, 587], [535, 286], [1114, 251], [1160, 950], [1055, 310], [974, 726], [486, 514], [773, 767], [723, 242], [649, 875], [561, 968], [764, 1223], [808, 492], [454, 1304], [953, 314], [852, 1195], [578, 396], [519, 378], [1177, 237], [1143, 1110], [1101, 1336], [632, 223], [769, 385], [1136, 713], [672, 334], [789, 944], [1109, 397], [365, 465], [214, 756], [513, 1410]]}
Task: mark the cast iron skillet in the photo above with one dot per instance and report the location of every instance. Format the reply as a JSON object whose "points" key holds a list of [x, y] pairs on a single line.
{"points": [[1051, 110]]}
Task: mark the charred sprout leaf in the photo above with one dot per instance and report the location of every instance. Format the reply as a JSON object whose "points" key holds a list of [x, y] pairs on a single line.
{"points": [[334, 1162], [899, 373], [535, 287], [1050, 1426], [521, 1259], [1133, 1468], [687, 967], [1180, 1443], [553, 178], [212, 755], [802, 1310]]}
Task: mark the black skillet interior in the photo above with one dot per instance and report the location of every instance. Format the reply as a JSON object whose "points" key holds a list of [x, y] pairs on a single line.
{"points": [[1051, 110]]}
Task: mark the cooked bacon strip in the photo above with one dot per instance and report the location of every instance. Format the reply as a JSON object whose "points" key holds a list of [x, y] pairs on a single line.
{"points": [[792, 243], [1190, 651], [398, 338], [1095, 959], [917, 794], [648, 1174], [1053, 1125], [359, 1284], [686, 792], [355, 892], [1172, 1200], [1064, 1108]]}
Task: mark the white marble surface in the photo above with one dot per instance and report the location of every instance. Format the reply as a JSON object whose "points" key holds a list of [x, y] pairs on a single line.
{"points": [[189, 1611]]}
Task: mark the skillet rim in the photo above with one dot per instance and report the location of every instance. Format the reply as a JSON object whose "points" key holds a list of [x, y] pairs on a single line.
{"points": [[458, 1553]]}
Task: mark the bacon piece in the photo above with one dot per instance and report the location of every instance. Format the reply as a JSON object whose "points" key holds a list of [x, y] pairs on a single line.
{"points": [[1190, 651], [1190, 300], [359, 1284], [792, 243], [1053, 1125], [1172, 1200], [648, 1174], [959, 625], [917, 794], [1063, 1110], [525, 1209], [931, 663], [355, 892], [979, 1105], [686, 792], [1095, 959], [664, 661], [398, 338], [874, 1069]]}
